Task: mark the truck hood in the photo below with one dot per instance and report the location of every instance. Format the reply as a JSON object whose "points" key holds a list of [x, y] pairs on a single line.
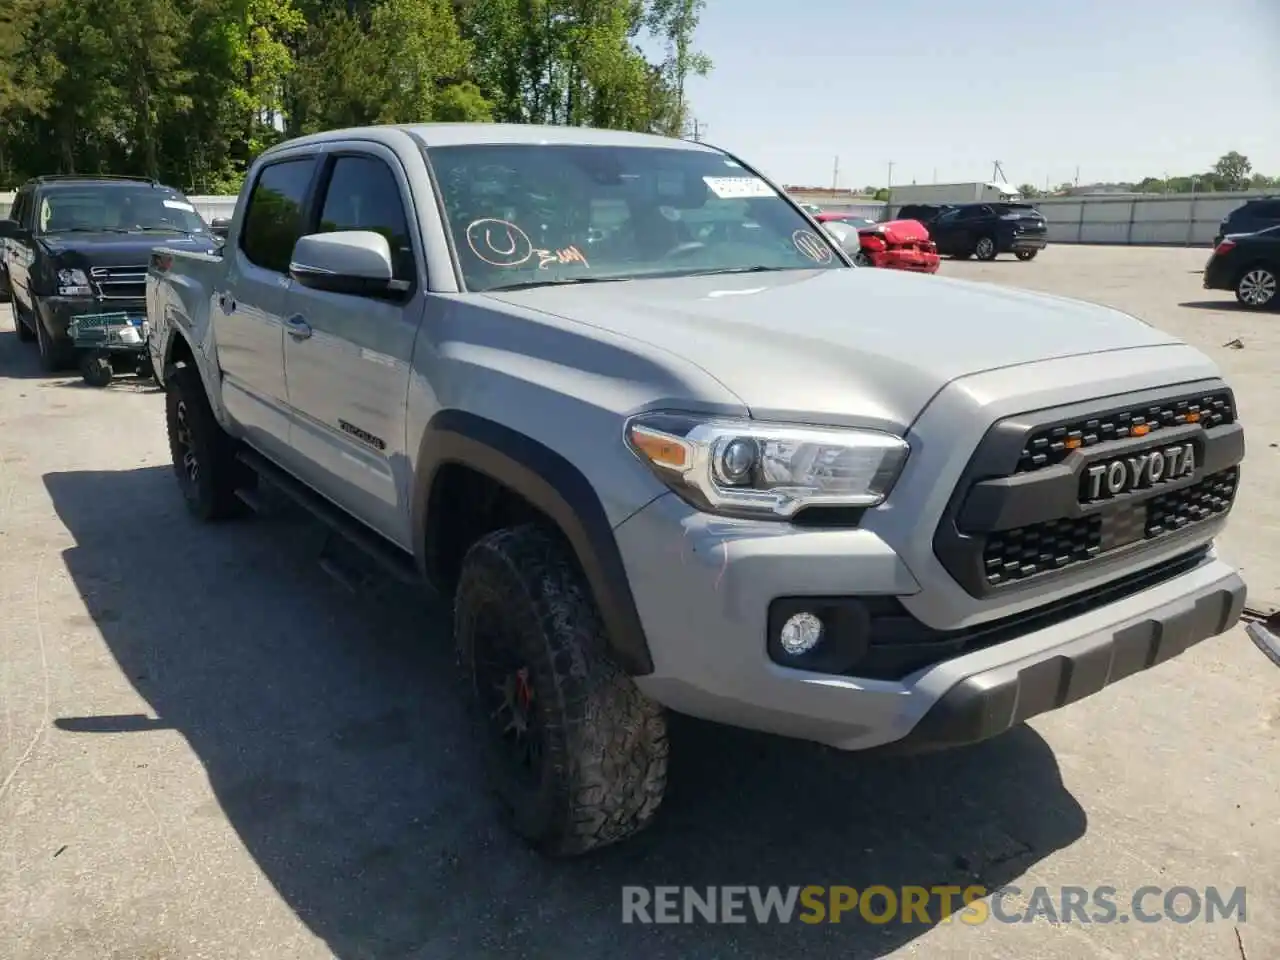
{"points": [[110, 249], [847, 345]]}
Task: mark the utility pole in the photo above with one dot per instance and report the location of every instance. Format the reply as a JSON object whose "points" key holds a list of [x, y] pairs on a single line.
{"points": [[890, 183], [698, 129], [835, 175], [1077, 175]]}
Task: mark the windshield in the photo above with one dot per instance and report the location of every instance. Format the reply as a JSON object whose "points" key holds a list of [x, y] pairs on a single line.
{"points": [[524, 214], [123, 209]]}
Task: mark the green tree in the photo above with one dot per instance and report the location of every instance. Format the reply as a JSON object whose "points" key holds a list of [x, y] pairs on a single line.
{"points": [[1028, 191], [1233, 170]]}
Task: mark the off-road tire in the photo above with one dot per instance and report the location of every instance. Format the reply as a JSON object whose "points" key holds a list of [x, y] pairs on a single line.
{"points": [[1026, 255], [209, 482], [603, 760], [1258, 288], [986, 253]]}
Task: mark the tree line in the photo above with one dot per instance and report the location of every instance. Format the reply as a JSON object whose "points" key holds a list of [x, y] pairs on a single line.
{"points": [[190, 91], [1232, 173]]}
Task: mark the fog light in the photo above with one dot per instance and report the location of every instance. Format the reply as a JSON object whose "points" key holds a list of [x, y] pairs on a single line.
{"points": [[800, 634]]}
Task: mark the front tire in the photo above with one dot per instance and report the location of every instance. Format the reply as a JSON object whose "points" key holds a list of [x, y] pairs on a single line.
{"points": [[577, 755], [54, 357], [1026, 255], [1256, 289], [985, 249], [203, 455]]}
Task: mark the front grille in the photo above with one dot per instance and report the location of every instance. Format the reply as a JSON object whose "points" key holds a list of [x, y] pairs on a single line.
{"points": [[120, 283], [1026, 551], [1023, 513], [1051, 444]]}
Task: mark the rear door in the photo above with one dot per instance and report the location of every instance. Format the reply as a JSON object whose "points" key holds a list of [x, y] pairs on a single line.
{"points": [[249, 310], [347, 358]]}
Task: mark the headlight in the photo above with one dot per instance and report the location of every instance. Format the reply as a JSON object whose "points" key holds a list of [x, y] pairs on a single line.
{"points": [[752, 468], [73, 283]]}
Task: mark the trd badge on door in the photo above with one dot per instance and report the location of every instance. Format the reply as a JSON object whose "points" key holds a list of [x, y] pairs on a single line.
{"points": [[364, 436]]}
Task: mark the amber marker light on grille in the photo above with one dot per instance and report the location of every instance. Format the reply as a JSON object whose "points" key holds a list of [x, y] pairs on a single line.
{"points": [[1140, 429], [661, 449], [1073, 442]]}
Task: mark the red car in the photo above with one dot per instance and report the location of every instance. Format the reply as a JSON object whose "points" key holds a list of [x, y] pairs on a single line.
{"points": [[897, 244]]}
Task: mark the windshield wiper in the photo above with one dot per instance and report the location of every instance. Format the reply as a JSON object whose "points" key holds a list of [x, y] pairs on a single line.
{"points": [[755, 268], [557, 281], [88, 230]]}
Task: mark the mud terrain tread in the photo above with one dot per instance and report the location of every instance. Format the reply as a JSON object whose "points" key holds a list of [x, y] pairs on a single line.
{"points": [[607, 747], [213, 497]]}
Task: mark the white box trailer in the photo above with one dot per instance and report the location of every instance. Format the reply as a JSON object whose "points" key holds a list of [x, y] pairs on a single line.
{"points": [[976, 192]]}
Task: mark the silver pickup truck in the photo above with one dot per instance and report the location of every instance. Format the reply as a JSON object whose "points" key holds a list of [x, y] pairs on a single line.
{"points": [[666, 448]]}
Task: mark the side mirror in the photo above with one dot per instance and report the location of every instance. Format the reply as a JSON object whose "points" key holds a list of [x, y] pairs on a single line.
{"points": [[355, 262], [220, 227], [12, 230]]}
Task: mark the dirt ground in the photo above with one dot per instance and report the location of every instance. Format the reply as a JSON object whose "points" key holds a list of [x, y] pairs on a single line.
{"points": [[211, 750]]}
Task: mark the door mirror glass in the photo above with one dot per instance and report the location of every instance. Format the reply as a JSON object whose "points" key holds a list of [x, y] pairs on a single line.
{"points": [[356, 262], [220, 226]]}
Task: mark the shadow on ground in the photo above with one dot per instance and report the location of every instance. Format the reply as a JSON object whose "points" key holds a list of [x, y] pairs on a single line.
{"points": [[336, 748], [1226, 305]]}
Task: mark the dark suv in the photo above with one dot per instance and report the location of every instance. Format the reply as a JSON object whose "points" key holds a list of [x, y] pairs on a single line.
{"points": [[1252, 216], [73, 246], [986, 230]]}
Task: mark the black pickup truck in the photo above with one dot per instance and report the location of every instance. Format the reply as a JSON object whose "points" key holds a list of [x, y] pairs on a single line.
{"points": [[77, 245]]}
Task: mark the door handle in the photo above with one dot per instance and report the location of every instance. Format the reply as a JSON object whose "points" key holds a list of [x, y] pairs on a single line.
{"points": [[298, 328]]}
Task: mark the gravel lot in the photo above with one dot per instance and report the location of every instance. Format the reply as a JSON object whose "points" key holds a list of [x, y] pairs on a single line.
{"points": [[210, 750]]}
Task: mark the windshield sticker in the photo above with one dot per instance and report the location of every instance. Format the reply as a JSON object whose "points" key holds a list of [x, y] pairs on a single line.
{"points": [[500, 243], [811, 246], [739, 188], [179, 205]]}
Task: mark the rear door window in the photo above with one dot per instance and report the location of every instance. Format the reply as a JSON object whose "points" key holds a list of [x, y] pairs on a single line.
{"points": [[273, 220]]}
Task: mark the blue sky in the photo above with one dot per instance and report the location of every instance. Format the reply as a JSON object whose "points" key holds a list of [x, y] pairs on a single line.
{"points": [[1124, 89]]}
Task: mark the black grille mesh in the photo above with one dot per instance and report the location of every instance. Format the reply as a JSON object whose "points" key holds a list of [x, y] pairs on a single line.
{"points": [[1050, 445], [1017, 554]]}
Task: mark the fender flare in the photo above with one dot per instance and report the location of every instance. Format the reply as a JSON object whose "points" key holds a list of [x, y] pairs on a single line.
{"points": [[555, 487]]}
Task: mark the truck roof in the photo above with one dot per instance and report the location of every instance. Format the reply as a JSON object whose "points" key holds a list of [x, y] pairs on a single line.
{"points": [[456, 134]]}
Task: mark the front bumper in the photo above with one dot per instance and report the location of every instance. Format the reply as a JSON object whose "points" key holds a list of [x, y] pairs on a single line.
{"points": [[58, 312], [704, 586]]}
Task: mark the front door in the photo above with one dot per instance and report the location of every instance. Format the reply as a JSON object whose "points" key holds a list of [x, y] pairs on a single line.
{"points": [[348, 358], [249, 311]]}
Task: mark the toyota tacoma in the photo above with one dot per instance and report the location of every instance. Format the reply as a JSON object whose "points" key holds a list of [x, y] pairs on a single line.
{"points": [[666, 448]]}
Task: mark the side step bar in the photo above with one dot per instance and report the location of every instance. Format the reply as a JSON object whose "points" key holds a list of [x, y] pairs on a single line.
{"points": [[387, 556]]}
